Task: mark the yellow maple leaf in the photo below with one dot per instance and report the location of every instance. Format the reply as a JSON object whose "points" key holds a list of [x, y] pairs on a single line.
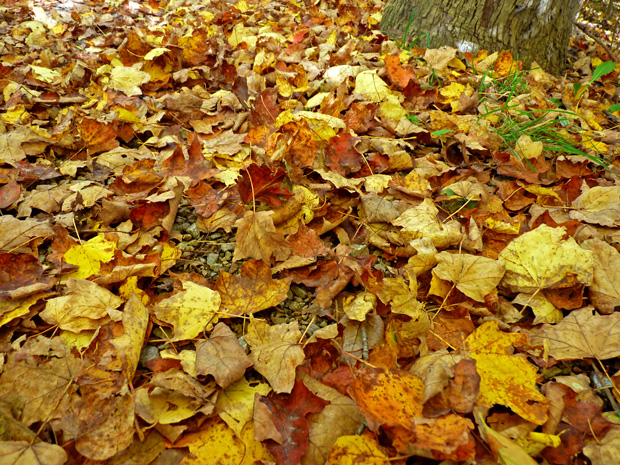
{"points": [[85, 307], [350, 450], [89, 255], [276, 352], [191, 311], [472, 275], [506, 379], [217, 443], [236, 403], [543, 259], [371, 86], [389, 397]]}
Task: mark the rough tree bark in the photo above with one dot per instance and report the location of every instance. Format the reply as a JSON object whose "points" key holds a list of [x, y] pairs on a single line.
{"points": [[535, 30]]}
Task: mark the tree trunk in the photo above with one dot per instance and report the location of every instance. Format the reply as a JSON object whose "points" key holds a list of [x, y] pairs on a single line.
{"points": [[533, 30]]}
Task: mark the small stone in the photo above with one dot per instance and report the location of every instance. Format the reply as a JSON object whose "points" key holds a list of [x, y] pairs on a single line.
{"points": [[227, 256], [279, 319], [212, 259], [313, 327], [193, 230], [299, 292], [290, 295], [228, 247], [215, 235], [148, 353]]}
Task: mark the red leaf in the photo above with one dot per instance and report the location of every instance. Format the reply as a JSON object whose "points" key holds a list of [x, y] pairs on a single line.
{"points": [[398, 75], [307, 243], [195, 167], [9, 193], [261, 183], [288, 413], [20, 270], [266, 108], [205, 200], [341, 156], [150, 215]]}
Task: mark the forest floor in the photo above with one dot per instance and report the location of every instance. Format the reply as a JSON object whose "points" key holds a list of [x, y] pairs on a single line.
{"points": [[263, 232]]}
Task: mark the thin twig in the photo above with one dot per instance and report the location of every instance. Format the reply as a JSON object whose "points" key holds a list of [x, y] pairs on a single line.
{"points": [[583, 29]]}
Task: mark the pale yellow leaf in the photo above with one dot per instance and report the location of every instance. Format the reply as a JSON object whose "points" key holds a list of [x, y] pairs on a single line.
{"points": [[544, 259], [276, 352], [473, 275], [191, 311]]}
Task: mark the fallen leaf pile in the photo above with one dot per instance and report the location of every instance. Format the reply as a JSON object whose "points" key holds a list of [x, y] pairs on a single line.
{"points": [[451, 220]]}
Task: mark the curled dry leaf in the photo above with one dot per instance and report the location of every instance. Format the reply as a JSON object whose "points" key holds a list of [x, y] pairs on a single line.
{"points": [[129, 345]]}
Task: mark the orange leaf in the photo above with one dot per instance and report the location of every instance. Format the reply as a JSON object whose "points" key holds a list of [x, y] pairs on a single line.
{"points": [[253, 291], [257, 238], [388, 397]]}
